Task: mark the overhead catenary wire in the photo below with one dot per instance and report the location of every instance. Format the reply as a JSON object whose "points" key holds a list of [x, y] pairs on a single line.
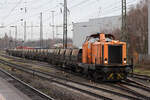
{"points": [[42, 5], [32, 16], [80, 3], [12, 10], [16, 21], [108, 10], [20, 15], [116, 8], [70, 7]]}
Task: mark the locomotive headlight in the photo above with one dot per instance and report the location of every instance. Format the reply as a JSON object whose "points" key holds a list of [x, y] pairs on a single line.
{"points": [[125, 61], [105, 61]]}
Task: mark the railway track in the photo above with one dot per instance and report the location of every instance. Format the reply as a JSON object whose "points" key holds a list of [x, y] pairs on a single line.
{"points": [[130, 90], [141, 77], [17, 58], [131, 86], [69, 83], [137, 85], [127, 88], [35, 93], [142, 86]]}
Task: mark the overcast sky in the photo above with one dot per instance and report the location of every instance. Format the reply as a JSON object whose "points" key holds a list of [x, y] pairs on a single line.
{"points": [[12, 11]]}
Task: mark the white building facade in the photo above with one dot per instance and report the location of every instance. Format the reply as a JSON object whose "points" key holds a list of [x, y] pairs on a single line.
{"points": [[83, 29]]}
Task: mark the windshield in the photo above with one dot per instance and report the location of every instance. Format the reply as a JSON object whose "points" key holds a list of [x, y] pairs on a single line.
{"points": [[108, 40]]}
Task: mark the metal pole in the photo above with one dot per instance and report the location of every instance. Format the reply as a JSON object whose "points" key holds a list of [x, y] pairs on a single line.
{"points": [[25, 23], [56, 35], [31, 31], [41, 31], [124, 36], [53, 26], [10, 33], [10, 39], [25, 30], [65, 25], [16, 36], [124, 23]]}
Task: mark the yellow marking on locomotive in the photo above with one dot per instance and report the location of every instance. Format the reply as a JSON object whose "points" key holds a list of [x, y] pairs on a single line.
{"points": [[111, 76], [119, 76]]}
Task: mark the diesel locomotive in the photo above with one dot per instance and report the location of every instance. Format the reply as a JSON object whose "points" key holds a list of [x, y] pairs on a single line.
{"points": [[101, 57]]}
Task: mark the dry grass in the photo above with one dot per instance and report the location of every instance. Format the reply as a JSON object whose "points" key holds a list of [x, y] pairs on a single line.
{"points": [[142, 69]]}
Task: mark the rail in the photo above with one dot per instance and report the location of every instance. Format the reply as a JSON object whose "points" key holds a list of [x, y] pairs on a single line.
{"points": [[53, 78]]}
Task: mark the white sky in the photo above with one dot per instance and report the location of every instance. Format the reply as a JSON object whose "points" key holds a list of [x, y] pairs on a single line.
{"points": [[80, 10]]}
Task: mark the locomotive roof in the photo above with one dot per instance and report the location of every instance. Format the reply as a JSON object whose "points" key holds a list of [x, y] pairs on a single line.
{"points": [[106, 35]]}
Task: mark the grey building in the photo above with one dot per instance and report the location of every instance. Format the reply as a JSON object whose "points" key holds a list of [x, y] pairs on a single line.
{"points": [[83, 29]]}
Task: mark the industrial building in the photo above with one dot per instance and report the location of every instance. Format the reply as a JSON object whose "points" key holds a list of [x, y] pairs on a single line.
{"points": [[83, 29]]}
